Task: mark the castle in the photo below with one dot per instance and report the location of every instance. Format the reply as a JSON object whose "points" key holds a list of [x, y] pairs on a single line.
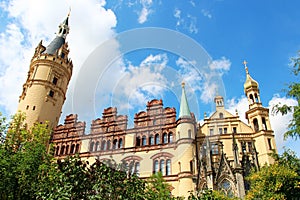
{"points": [[215, 154]]}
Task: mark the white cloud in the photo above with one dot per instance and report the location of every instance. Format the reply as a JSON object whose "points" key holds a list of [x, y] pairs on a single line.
{"points": [[206, 13], [33, 20], [188, 23], [279, 123], [222, 64], [144, 13]]}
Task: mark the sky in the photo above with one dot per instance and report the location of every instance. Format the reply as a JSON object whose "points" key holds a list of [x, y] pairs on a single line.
{"points": [[126, 53]]}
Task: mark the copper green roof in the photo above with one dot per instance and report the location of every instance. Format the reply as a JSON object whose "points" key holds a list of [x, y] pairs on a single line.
{"points": [[184, 106]]}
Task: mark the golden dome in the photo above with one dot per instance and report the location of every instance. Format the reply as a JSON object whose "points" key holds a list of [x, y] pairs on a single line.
{"points": [[250, 82]]}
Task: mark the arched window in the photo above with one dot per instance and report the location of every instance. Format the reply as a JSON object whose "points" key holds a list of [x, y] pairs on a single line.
{"points": [[221, 115], [62, 150], [151, 140], [115, 144], [256, 98], [162, 167], [92, 146], [72, 148], [57, 150], [120, 143], [165, 138], [225, 186], [137, 168], [168, 167], [108, 145], [67, 149], [97, 146], [103, 145], [251, 99], [255, 123], [170, 137], [156, 166], [264, 123], [144, 141], [214, 149], [77, 148], [138, 141], [157, 139]]}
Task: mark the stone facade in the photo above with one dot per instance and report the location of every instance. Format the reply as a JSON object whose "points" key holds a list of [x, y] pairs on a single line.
{"points": [[215, 154]]}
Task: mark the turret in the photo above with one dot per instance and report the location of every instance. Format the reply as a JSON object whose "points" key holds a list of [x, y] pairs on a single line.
{"points": [[258, 119], [50, 71], [186, 148]]}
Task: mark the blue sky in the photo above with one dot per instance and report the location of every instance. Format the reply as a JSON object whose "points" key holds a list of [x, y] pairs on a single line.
{"points": [[265, 33]]}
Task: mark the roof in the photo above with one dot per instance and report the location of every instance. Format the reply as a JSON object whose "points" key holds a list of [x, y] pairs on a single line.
{"points": [[184, 107], [54, 45]]}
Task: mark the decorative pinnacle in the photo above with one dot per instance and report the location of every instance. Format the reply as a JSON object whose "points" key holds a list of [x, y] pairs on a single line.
{"points": [[69, 11], [246, 67]]}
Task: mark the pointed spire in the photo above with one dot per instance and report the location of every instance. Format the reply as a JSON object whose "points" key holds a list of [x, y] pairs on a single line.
{"points": [[184, 107], [59, 40], [250, 82]]}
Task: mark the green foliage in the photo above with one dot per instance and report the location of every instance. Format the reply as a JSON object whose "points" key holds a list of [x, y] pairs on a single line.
{"points": [[294, 92], [21, 156], [158, 188], [209, 195], [280, 180]]}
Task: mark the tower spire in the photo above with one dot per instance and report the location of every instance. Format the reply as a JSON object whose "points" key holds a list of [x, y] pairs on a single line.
{"points": [[184, 107], [59, 40]]}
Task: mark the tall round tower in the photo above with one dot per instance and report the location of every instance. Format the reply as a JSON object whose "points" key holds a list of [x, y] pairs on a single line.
{"points": [[50, 71]]}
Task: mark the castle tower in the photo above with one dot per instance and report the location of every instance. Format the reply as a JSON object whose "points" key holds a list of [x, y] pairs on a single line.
{"points": [[44, 91], [258, 119], [185, 136]]}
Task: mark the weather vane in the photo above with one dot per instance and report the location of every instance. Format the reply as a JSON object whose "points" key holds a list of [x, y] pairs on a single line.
{"points": [[246, 67]]}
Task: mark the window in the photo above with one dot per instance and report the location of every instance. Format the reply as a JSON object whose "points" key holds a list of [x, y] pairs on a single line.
{"points": [[226, 187], [270, 144], [108, 145], [251, 99], [151, 140], [250, 146], [162, 167], [144, 141], [264, 123], [137, 168], [115, 144], [215, 149], [165, 138], [97, 146], [27, 107], [33, 108], [62, 150], [170, 137], [54, 80], [168, 168], [51, 93], [72, 149], [138, 141], [220, 131], [103, 145], [57, 150], [120, 143], [92, 146], [221, 116], [155, 166], [211, 131], [256, 98], [243, 147], [255, 124], [157, 139], [154, 122], [77, 148], [234, 130], [189, 133], [225, 130], [67, 149]]}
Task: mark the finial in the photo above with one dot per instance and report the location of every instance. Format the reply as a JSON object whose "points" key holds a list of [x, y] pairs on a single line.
{"points": [[69, 11], [246, 67], [182, 84]]}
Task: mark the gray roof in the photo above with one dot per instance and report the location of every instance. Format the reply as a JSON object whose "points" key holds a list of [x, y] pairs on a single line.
{"points": [[54, 45]]}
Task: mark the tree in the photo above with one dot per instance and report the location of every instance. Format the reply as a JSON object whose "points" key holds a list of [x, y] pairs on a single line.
{"points": [[209, 194], [280, 180], [22, 155], [294, 92]]}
